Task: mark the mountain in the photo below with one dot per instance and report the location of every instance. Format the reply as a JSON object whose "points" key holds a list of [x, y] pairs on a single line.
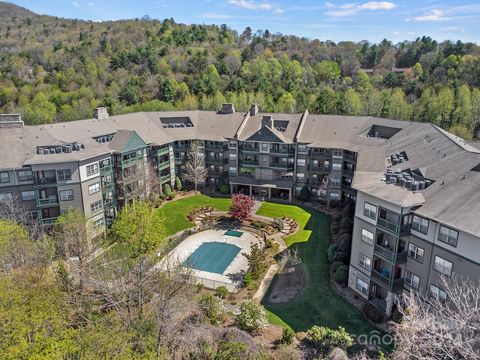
{"points": [[56, 69]]}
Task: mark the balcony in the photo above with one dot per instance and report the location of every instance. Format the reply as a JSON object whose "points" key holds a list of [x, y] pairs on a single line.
{"points": [[249, 163], [388, 225], [106, 169], [249, 149], [48, 221], [165, 178], [50, 201], [46, 180], [132, 160], [164, 165], [380, 303], [282, 166], [381, 276], [349, 158], [163, 151], [281, 151], [348, 173], [384, 252]]}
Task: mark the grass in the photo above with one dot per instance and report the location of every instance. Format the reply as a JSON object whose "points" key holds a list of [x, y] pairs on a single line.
{"points": [[175, 213], [318, 304]]}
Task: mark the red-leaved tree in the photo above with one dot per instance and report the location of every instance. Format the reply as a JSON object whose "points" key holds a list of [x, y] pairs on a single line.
{"points": [[241, 206]]}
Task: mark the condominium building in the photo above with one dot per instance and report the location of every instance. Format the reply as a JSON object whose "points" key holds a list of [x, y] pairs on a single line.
{"points": [[416, 186]]}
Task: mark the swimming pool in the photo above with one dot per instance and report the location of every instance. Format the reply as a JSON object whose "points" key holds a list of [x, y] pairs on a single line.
{"points": [[213, 257]]}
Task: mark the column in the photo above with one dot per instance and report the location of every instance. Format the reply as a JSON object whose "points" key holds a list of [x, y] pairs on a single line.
{"points": [[250, 190], [269, 193], [290, 195], [231, 188]]}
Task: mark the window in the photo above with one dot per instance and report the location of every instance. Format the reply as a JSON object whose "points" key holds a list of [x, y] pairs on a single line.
{"points": [[370, 211], [365, 262], [361, 286], [65, 174], [232, 156], [264, 147], [99, 223], [300, 176], [4, 177], [97, 205], [336, 166], [367, 236], [232, 170], [66, 195], [334, 195], [301, 162], [25, 175], [92, 169], [302, 148], [232, 144], [28, 195], [415, 252], [412, 280], [437, 293], [5, 197], [420, 224], [94, 188], [443, 266], [448, 235]]}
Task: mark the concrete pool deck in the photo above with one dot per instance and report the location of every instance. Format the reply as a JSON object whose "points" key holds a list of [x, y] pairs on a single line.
{"points": [[231, 276]]}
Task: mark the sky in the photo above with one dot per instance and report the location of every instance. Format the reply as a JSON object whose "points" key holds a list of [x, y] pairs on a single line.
{"points": [[325, 20]]}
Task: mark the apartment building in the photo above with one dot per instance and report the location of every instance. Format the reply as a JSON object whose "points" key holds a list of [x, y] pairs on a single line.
{"points": [[416, 186]]}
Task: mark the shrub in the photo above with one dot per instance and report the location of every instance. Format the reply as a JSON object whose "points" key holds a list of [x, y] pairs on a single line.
{"points": [[336, 265], [224, 189], [221, 292], [397, 316], [199, 286], [373, 314], [326, 338], [247, 279], [167, 190], [305, 193], [341, 275], [331, 252], [212, 307], [178, 184], [251, 317], [334, 226], [287, 336]]}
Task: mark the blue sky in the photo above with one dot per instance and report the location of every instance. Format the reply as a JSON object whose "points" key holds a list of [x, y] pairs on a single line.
{"points": [[325, 20]]}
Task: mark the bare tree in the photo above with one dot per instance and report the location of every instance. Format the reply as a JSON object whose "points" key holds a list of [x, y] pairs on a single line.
{"points": [[73, 234], [152, 179], [13, 210], [439, 328], [324, 186], [195, 170]]}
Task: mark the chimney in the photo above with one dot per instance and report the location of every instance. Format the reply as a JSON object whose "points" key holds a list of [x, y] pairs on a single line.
{"points": [[267, 120], [100, 113], [227, 109], [253, 110], [8, 121]]}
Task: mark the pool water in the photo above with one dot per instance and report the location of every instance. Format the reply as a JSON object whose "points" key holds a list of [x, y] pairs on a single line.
{"points": [[233, 233], [213, 257]]}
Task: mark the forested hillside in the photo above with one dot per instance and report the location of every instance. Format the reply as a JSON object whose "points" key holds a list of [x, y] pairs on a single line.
{"points": [[54, 69]]}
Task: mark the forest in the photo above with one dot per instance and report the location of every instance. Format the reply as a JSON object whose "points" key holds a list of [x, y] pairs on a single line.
{"points": [[54, 69]]}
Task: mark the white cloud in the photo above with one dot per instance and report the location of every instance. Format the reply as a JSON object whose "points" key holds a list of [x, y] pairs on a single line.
{"points": [[75, 4], [252, 5], [432, 15], [91, 4], [353, 8]]}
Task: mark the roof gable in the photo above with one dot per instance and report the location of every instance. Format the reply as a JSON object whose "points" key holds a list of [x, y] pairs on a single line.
{"points": [[125, 141], [267, 134]]}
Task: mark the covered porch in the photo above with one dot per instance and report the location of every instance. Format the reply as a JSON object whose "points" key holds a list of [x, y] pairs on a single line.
{"points": [[268, 189]]}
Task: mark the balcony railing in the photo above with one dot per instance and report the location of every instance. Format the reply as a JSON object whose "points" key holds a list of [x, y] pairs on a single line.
{"points": [[380, 303], [349, 157], [249, 149], [106, 169], [379, 276], [384, 252], [388, 225], [282, 151], [132, 160], [348, 173], [48, 221], [163, 151], [282, 165], [164, 165], [249, 163], [46, 202], [165, 178], [46, 180]]}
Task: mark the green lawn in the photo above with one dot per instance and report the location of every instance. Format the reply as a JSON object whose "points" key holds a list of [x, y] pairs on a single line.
{"points": [[319, 304], [175, 212]]}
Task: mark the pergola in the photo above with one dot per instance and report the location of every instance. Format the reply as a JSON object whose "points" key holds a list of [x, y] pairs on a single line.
{"points": [[267, 185]]}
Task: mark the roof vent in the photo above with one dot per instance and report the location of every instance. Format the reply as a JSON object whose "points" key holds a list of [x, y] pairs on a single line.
{"points": [[227, 108], [253, 110], [100, 113], [10, 121]]}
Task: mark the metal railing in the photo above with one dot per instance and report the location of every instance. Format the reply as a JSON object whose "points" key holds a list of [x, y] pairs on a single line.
{"points": [[50, 201], [48, 221], [163, 151], [164, 165], [384, 252], [387, 225], [45, 180]]}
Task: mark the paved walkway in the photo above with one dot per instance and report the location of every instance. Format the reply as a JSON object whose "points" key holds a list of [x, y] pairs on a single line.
{"points": [[265, 284]]}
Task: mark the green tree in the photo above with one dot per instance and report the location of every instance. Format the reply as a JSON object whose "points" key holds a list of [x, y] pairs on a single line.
{"points": [[286, 103], [328, 71], [362, 81], [326, 101], [130, 93], [211, 307], [16, 247], [463, 113], [352, 104], [399, 108], [40, 110], [140, 226]]}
